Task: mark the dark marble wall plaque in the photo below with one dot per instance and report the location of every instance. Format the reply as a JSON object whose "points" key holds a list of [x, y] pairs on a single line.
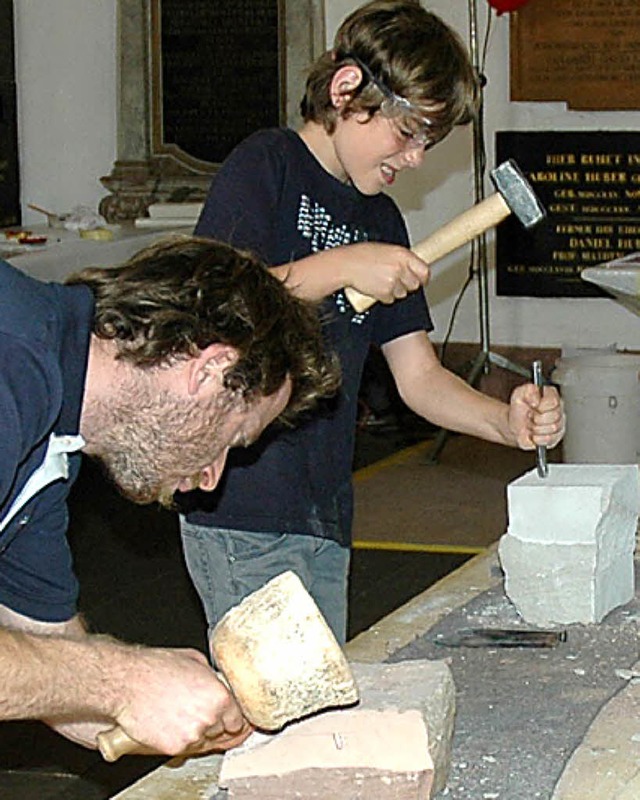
{"points": [[9, 175], [589, 182], [195, 77], [220, 66]]}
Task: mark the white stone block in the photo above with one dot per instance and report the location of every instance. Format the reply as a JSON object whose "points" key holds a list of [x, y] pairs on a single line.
{"points": [[568, 550]]}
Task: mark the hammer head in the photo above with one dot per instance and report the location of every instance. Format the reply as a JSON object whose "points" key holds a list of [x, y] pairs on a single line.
{"points": [[518, 193]]}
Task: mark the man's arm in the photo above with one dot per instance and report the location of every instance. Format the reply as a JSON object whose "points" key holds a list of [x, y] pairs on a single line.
{"points": [[165, 699], [446, 400]]}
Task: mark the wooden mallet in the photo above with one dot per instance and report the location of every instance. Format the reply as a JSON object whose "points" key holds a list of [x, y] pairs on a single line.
{"points": [[514, 195], [278, 657]]}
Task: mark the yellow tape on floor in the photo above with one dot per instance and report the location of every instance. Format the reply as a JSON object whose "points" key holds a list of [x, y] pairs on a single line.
{"points": [[458, 505], [412, 547]]}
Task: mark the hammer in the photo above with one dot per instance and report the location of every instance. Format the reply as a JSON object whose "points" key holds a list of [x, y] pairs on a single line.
{"points": [[514, 195], [278, 657]]}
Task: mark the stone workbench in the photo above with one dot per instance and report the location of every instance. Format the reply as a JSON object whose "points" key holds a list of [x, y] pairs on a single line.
{"points": [[554, 724]]}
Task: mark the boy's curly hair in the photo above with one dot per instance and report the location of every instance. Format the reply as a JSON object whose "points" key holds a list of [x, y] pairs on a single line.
{"points": [[181, 294], [410, 50]]}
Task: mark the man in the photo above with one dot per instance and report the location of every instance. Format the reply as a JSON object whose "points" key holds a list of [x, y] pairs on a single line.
{"points": [[156, 368]]}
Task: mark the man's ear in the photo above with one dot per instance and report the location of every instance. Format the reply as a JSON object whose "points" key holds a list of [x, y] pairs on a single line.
{"points": [[345, 81], [209, 366]]}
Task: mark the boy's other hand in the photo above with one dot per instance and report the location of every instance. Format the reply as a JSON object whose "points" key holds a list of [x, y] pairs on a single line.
{"points": [[535, 417]]}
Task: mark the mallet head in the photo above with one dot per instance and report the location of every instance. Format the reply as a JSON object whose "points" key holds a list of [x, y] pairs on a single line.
{"points": [[518, 193]]}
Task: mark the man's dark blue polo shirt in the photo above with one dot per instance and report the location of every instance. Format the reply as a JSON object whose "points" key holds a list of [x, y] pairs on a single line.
{"points": [[44, 343]]}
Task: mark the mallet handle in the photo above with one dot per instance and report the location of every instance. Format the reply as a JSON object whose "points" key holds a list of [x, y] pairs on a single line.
{"points": [[115, 743], [460, 230]]}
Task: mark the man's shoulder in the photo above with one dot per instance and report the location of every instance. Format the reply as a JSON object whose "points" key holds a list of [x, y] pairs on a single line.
{"points": [[35, 311], [11, 276], [22, 299], [29, 328]]}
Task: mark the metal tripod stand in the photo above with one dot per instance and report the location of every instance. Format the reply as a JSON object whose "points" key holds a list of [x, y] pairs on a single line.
{"points": [[485, 357]]}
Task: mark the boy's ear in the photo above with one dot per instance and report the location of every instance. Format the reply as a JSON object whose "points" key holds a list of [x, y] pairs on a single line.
{"points": [[345, 81], [209, 365]]}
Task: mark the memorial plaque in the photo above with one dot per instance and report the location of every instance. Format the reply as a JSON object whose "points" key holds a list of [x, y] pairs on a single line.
{"points": [[589, 183], [196, 77], [582, 52], [220, 74]]}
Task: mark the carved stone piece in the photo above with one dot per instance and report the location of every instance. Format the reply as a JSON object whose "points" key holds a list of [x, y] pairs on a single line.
{"points": [[352, 753]]}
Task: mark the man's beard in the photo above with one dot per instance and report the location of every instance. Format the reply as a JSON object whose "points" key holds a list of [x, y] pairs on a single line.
{"points": [[152, 440]]}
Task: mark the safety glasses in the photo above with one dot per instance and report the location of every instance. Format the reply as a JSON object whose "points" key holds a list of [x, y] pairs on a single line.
{"points": [[410, 120]]}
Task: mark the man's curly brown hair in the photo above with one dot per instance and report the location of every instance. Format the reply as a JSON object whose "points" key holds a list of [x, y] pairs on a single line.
{"points": [[181, 294]]}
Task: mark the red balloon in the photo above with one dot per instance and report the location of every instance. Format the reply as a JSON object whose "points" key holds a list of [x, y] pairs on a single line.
{"points": [[503, 6]]}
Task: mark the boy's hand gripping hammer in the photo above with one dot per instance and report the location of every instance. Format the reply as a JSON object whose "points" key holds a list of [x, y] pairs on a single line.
{"points": [[514, 195]]}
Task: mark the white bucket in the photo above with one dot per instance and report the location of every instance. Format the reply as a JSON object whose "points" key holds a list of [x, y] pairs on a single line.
{"points": [[601, 396]]}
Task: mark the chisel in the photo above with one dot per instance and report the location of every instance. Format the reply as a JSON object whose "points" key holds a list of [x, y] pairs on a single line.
{"points": [[541, 450], [500, 637]]}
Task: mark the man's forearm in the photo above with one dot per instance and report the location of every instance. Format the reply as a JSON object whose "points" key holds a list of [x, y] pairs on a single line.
{"points": [[50, 676], [166, 699]]}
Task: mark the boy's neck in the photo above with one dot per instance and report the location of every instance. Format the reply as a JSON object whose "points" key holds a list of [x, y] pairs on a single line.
{"points": [[320, 143]]}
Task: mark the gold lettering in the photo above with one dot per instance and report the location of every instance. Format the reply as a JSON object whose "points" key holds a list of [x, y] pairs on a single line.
{"points": [[606, 209], [600, 256], [605, 177], [551, 176], [558, 159], [591, 242], [601, 159], [574, 229]]}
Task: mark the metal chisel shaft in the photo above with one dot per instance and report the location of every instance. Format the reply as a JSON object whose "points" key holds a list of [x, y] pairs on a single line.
{"points": [[541, 450]]}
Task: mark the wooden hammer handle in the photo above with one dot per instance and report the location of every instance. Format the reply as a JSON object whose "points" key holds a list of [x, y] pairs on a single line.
{"points": [[115, 743], [460, 230]]}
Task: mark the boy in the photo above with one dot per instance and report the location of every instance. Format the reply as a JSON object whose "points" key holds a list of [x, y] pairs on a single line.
{"points": [[312, 205]]}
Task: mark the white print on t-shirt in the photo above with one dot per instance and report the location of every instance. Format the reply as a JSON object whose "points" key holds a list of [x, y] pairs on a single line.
{"points": [[316, 223]]}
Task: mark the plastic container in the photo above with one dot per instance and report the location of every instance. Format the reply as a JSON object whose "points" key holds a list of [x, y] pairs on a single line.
{"points": [[601, 396]]}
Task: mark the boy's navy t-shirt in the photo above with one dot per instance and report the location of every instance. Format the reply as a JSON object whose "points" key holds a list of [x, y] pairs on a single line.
{"points": [[274, 198]]}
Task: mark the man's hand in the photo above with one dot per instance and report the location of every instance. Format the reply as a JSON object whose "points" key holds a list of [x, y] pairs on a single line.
{"points": [[536, 418], [172, 701], [82, 685]]}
